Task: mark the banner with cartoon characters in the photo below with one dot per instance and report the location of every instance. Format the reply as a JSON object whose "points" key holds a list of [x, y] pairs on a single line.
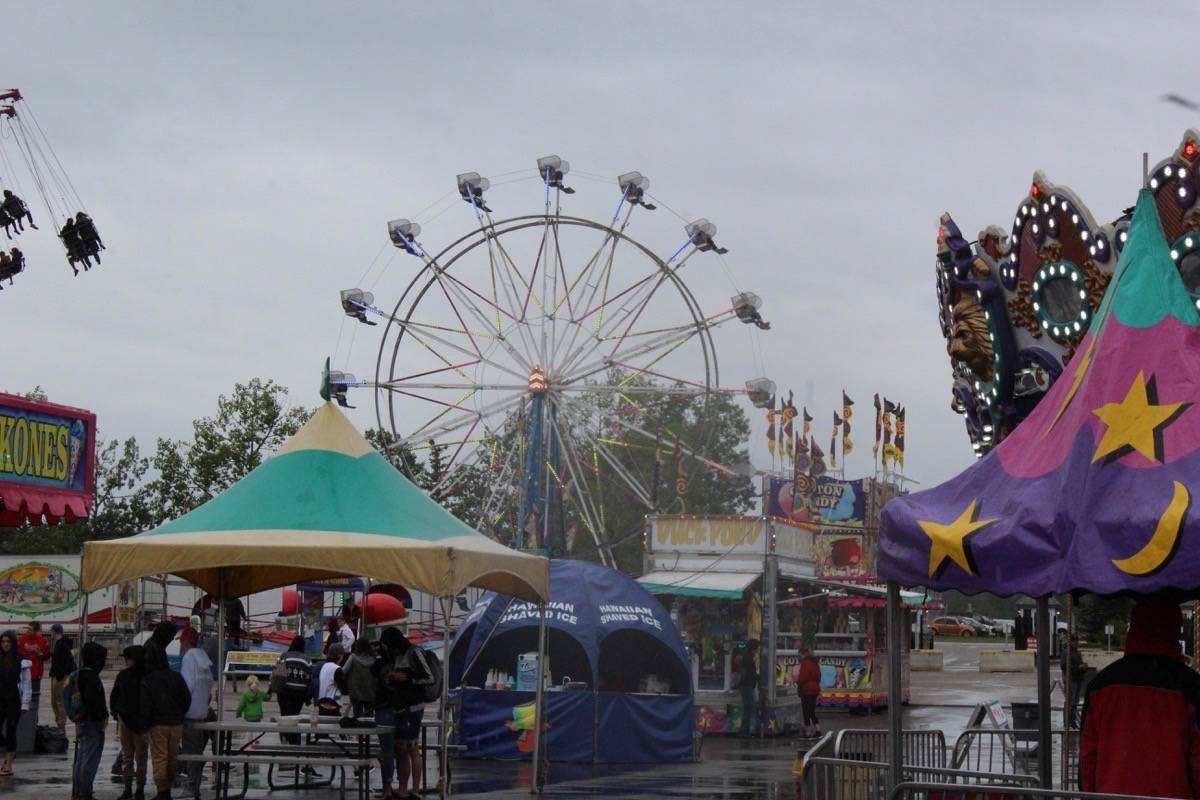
{"points": [[820, 501], [47, 461]]}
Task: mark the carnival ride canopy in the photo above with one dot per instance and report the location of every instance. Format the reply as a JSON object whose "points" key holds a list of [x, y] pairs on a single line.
{"points": [[325, 505], [1094, 490]]}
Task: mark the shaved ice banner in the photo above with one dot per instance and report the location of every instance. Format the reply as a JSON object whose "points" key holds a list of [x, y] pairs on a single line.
{"points": [[819, 501]]}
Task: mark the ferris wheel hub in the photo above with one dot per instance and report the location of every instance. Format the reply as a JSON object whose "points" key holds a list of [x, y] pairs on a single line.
{"points": [[538, 382]]}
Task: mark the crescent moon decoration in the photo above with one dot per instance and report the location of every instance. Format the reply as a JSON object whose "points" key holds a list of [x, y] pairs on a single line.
{"points": [[1162, 545]]}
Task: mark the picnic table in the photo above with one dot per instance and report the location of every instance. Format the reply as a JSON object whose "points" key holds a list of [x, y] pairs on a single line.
{"points": [[325, 744]]}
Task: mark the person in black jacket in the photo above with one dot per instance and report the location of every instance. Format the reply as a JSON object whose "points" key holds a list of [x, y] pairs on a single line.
{"points": [[89, 731], [62, 664], [125, 704], [164, 702]]}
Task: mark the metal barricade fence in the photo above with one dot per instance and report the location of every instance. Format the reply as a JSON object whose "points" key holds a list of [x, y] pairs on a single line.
{"points": [[851, 779], [920, 790], [1015, 752], [921, 748]]}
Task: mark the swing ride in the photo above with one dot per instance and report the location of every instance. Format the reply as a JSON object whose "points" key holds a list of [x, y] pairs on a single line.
{"points": [[559, 371], [44, 169]]}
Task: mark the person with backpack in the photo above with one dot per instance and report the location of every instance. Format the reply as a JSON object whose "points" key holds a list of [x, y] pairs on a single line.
{"points": [[62, 664], [360, 679], [164, 703], [15, 692], [125, 703], [88, 710], [295, 678], [411, 675]]}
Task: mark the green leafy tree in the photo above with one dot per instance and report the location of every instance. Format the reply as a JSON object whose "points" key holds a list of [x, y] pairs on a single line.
{"points": [[250, 424]]}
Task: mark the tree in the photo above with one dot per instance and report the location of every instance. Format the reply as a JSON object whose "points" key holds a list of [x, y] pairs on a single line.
{"points": [[249, 425]]}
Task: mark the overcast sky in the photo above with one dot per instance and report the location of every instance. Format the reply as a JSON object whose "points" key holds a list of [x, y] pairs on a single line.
{"points": [[242, 159]]}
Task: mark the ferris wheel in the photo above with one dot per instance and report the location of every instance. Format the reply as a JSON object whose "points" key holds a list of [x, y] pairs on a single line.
{"points": [[553, 359]]}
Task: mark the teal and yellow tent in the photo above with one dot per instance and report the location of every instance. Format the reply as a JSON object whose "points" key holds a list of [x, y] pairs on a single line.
{"points": [[325, 505]]}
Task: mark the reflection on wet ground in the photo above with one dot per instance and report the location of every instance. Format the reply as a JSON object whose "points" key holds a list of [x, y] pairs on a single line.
{"points": [[728, 768]]}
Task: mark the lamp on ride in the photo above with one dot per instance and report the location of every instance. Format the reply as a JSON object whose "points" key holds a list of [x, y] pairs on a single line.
{"points": [[552, 169], [633, 186], [761, 392], [746, 306], [471, 186], [356, 303], [403, 234], [701, 233]]}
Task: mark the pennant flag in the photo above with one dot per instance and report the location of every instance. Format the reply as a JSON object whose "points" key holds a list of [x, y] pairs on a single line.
{"points": [[847, 412], [772, 433], [785, 434], [889, 408], [837, 424], [900, 436], [878, 428], [806, 432], [817, 468], [802, 461]]}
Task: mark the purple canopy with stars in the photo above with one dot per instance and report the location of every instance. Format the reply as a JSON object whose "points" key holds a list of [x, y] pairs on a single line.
{"points": [[1094, 490]]}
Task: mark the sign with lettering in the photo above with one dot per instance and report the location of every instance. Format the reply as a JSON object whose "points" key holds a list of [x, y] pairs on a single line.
{"points": [[792, 541], [47, 455], [819, 501], [726, 535]]}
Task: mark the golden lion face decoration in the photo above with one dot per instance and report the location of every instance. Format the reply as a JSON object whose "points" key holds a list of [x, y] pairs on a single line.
{"points": [[970, 340]]}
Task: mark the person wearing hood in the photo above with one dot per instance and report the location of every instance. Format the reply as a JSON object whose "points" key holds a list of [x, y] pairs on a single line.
{"points": [[125, 704], [1140, 730], [89, 730], [62, 664], [196, 669], [15, 693], [164, 702]]}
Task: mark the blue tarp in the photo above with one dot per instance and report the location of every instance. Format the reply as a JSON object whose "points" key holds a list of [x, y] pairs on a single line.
{"points": [[606, 632]]}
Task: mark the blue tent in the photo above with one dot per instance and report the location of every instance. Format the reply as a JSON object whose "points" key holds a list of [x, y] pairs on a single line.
{"points": [[611, 640]]}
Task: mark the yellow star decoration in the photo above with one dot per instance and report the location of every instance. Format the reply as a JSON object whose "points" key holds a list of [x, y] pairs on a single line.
{"points": [[949, 541], [1136, 422]]}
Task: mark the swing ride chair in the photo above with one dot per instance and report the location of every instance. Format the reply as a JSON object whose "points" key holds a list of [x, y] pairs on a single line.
{"points": [[1067, 499], [74, 227], [525, 348]]}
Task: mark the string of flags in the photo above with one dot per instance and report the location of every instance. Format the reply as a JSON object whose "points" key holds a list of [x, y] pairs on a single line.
{"points": [[800, 450]]}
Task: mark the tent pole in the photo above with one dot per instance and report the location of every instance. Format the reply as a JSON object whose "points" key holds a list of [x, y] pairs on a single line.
{"points": [[539, 703], [1045, 765], [444, 755], [895, 720], [362, 618], [221, 588]]}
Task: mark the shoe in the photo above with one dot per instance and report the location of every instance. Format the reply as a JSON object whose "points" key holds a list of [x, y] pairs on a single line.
{"points": [[140, 794], [128, 793]]}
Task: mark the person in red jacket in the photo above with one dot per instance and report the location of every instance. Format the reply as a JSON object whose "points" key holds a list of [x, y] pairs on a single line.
{"points": [[1140, 730], [808, 686], [34, 646]]}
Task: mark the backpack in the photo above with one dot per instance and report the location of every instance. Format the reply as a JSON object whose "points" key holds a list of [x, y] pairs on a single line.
{"points": [[279, 676], [429, 684], [73, 697]]}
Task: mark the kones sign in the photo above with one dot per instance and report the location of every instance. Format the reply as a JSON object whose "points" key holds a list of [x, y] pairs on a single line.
{"points": [[47, 461]]}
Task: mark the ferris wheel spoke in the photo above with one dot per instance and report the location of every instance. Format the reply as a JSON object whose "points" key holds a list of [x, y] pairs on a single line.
{"points": [[604, 363], [404, 381], [594, 342], [592, 517], [453, 346], [595, 442], [401, 383], [457, 422], [506, 269]]}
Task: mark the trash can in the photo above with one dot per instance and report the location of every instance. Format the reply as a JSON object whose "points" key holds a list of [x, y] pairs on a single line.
{"points": [[1025, 719]]}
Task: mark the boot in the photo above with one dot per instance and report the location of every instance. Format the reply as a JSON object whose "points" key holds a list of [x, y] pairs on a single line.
{"points": [[128, 793], [140, 794]]}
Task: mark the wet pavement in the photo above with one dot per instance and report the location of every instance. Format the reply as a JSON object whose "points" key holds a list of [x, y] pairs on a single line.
{"points": [[729, 768]]}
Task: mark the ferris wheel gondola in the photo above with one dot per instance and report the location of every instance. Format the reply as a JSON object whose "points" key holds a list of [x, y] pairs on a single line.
{"points": [[540, 350]]}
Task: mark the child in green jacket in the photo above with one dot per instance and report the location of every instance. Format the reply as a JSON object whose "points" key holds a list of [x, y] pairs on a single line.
{"points": [[251, 703]]}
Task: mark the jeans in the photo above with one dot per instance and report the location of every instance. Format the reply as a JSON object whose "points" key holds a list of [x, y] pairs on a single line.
{"points": [[56, 701], [748, 709], [1071, 709], [194, 742], [90, 744], [385, 719]]}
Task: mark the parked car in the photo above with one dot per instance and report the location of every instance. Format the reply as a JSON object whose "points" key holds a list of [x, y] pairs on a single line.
{"points": [[984, 626], [952, 626]]}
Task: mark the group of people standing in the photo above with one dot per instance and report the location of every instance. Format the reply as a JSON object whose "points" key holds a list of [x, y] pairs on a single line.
{"points": [[390, 685]]}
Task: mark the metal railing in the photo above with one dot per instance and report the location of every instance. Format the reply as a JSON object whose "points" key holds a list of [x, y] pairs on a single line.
{"points": [[921, 748], [1015, 752], [919, 790], [851, 779]]}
